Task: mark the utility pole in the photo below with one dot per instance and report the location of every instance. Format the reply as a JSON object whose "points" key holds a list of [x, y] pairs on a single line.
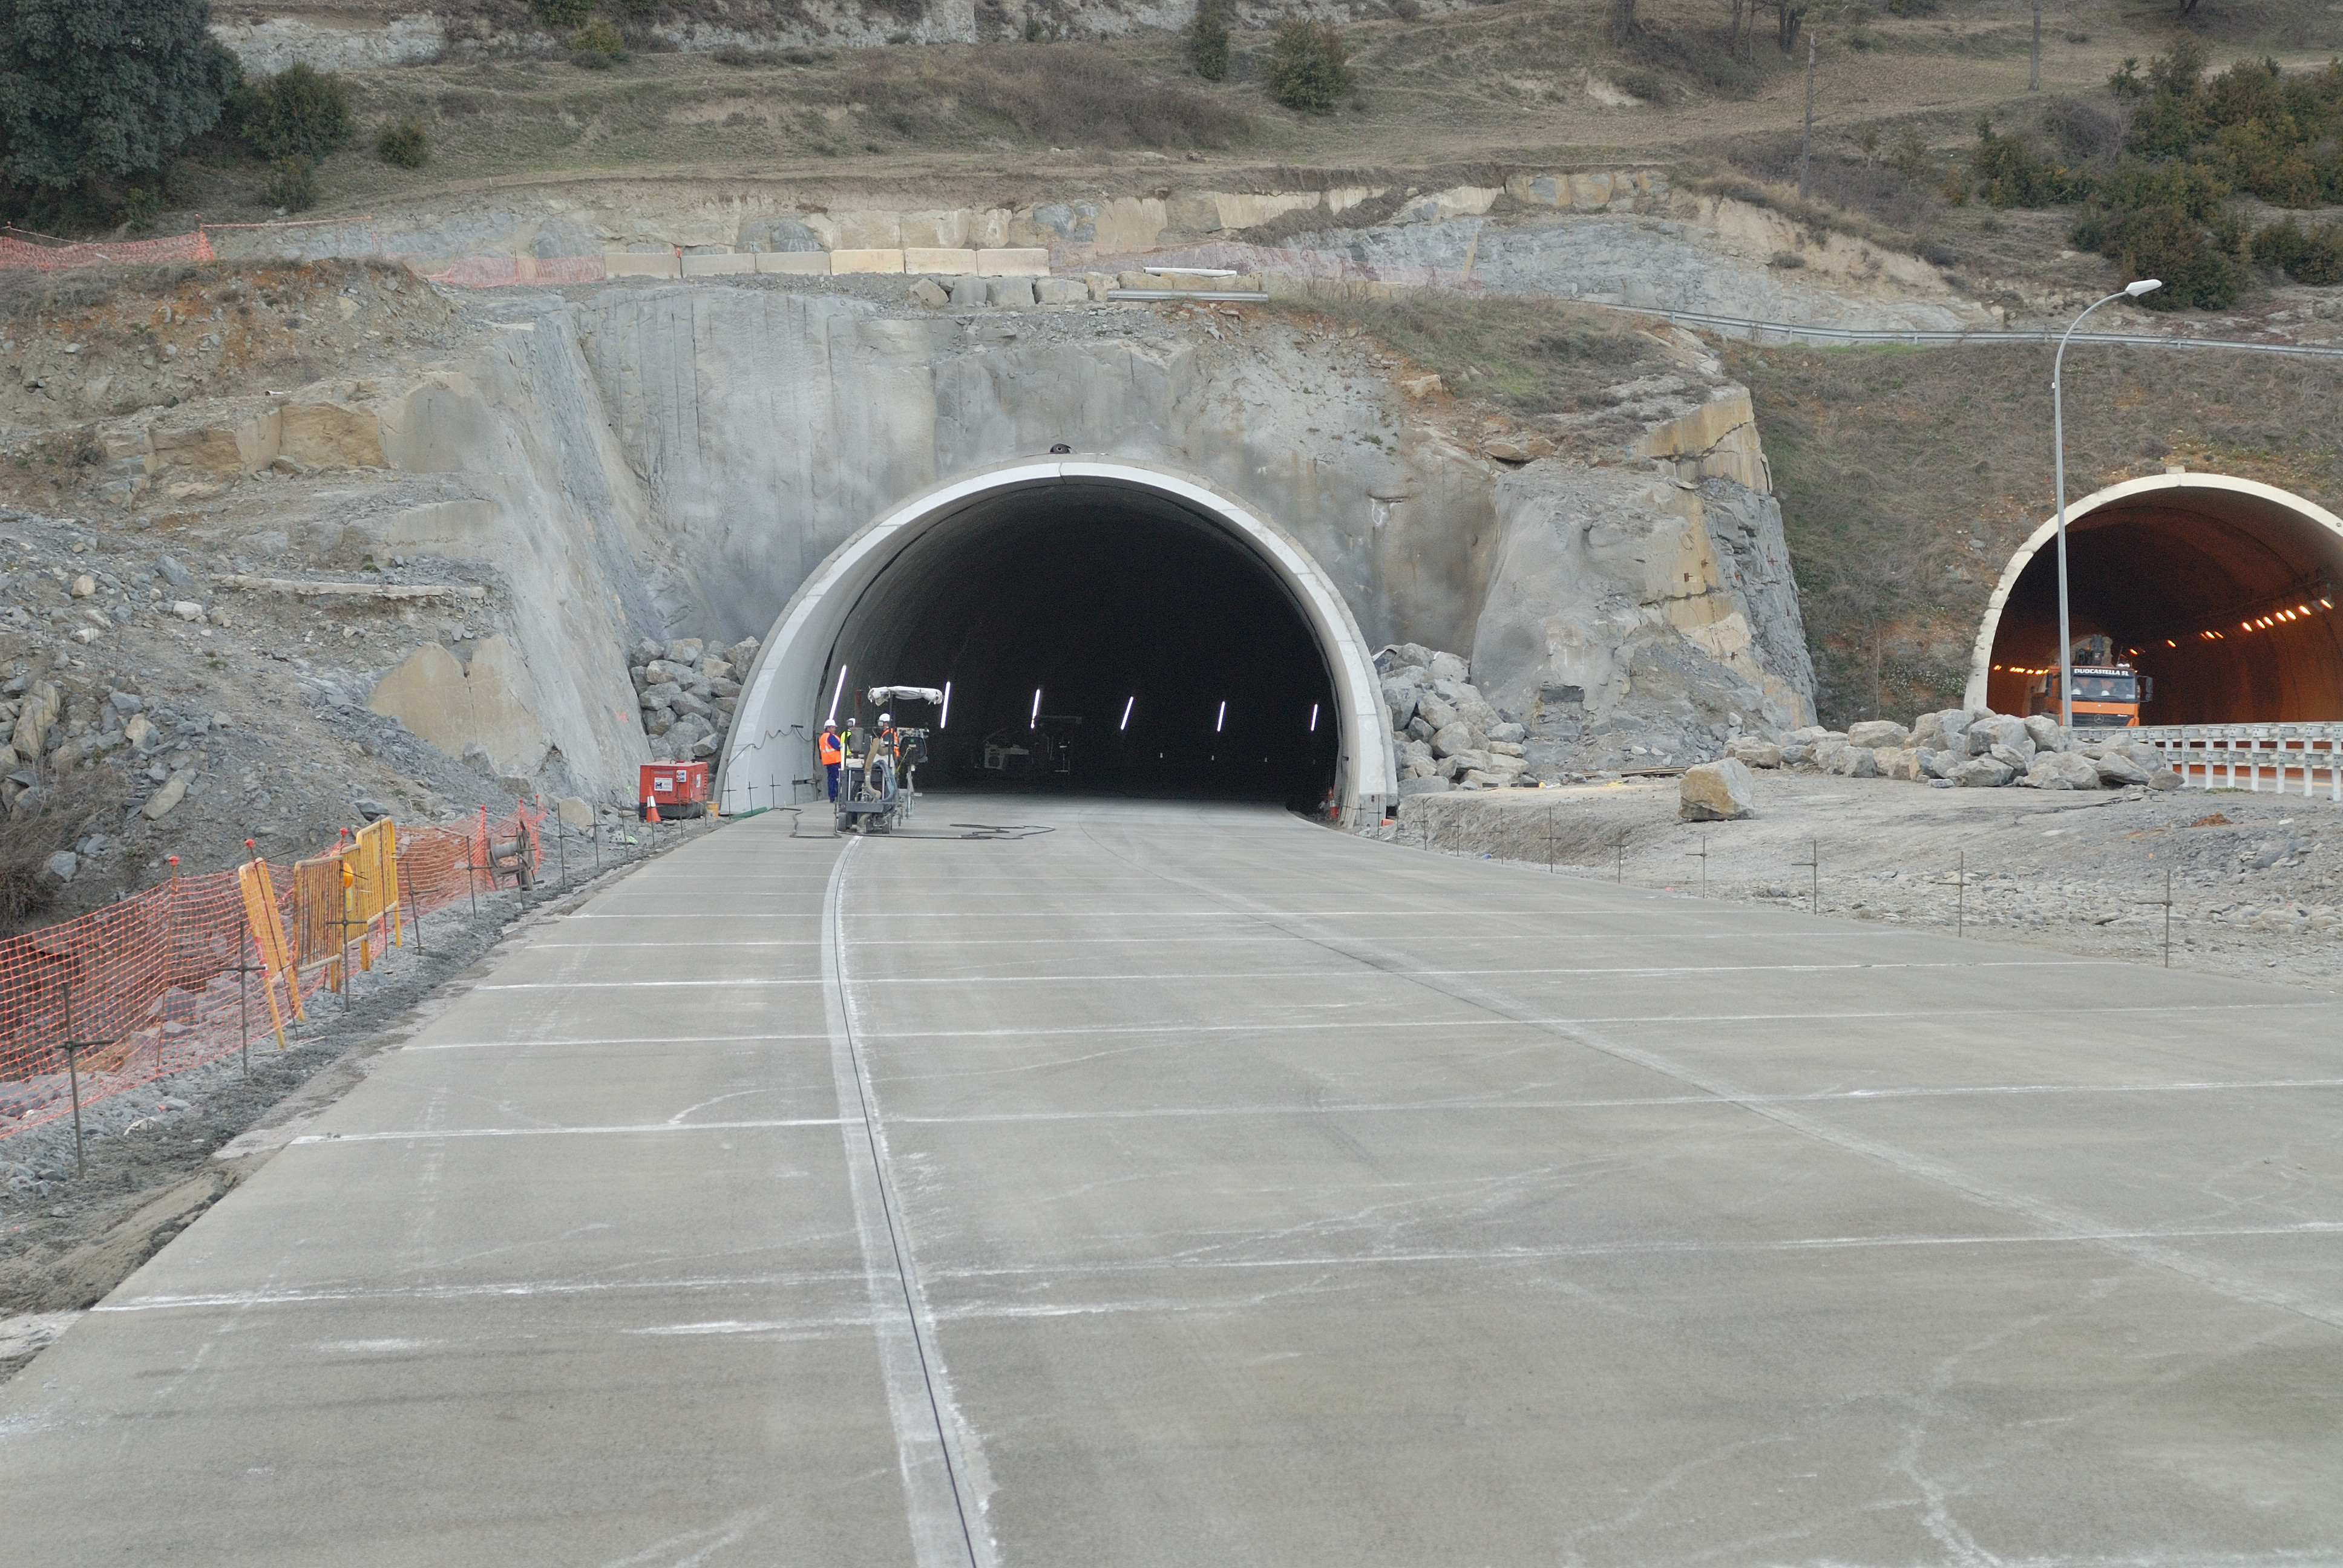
{"points": [[1807, 145]]}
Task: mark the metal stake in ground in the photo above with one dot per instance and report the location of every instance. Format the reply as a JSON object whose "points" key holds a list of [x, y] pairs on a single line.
{"points": [[470, 887], [1549, 839], [1619, 861], [1700, 855], [2166, 902], [72, 1073], [1961, 896], [1813, 862], [561, 847]]}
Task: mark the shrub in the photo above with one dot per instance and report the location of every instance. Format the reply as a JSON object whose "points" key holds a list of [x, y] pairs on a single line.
{"points": [[596, 47], [2005, 171], [557, 15], [1208, 42], [139, 206], [1308, 67], [292, 184], [641, 7], [403, 143], [296, 113], [2312, 256], [2167, 243]]}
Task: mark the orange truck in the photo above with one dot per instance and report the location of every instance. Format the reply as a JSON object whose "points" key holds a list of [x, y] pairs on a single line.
{"points": [[2106, 695]]}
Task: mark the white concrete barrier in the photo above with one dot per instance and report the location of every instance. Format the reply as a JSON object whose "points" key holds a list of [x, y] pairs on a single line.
{"points": [[711, 266], [795, 262], [842, 262], [939, 263], [655, 265], [1012, 262]]}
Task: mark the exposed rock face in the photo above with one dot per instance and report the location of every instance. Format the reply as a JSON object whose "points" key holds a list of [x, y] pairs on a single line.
{"points": [[1624, 610]]}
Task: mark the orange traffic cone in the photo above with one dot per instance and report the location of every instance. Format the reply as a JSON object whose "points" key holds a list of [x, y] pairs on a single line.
{"points": [[650, 811]]}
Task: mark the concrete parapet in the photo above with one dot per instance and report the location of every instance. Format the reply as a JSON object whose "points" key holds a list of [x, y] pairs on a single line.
{"points": [[795, 262], [842, 262], [1017, 263], [938, 263], [709, 265], [655, 265]]}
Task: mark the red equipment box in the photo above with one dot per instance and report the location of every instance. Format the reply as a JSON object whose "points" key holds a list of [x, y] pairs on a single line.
{"points": [[679, 788]]}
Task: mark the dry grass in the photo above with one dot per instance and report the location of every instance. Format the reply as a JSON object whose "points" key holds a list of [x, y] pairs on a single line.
{"points": [[56, 818], [1526, 357]]}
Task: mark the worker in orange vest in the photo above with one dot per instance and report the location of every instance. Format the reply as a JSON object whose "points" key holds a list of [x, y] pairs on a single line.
{"points": [[833, 756]]}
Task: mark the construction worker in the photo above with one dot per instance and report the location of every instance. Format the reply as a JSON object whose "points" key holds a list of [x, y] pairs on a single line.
{"points": [[833, 756]]}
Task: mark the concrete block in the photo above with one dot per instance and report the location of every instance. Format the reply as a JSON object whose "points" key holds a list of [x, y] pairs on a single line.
{"points": [[937, 263], [1034, 263], [668, 265], [1012, 292], [843, 262], [968, 291], [1061, 290], [709, 265], [796, 263]]}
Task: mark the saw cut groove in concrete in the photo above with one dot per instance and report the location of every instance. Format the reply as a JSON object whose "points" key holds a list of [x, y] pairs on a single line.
{"points": [[935, 1450]]}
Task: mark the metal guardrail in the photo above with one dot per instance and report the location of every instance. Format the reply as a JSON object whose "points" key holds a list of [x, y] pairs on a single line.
{"points": [[2201, 751], [1867, 334]]}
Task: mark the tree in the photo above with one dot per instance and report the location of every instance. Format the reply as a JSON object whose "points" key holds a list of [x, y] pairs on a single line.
{"points": [[296, 113], [93, 90], [1208, 42], [1308, 66]]}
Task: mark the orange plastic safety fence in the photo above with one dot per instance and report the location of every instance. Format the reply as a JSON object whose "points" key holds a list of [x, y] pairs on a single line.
{"points": [[23, 254], [175, 975]]}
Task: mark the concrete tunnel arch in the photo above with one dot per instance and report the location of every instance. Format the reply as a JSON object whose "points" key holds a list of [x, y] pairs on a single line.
{"points": [[787, 691], [2159, 563]]}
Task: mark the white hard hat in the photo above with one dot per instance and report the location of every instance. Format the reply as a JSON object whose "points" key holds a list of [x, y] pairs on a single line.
{"points": [[886, 719]]}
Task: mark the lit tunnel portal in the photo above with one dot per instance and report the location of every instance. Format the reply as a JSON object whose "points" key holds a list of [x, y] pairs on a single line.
{"points": [[2221, 592], [1107, 600]]}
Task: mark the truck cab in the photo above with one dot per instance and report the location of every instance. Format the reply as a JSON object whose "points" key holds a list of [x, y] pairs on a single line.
{"points": [[2106, 695]]}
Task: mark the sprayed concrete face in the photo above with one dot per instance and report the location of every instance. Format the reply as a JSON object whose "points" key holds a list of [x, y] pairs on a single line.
{"points": [[1218, 594], [2220, 590]]}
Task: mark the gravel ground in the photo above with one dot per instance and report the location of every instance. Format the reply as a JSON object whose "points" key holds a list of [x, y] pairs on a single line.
{"points": [[2256, 879], [158, 1157]]}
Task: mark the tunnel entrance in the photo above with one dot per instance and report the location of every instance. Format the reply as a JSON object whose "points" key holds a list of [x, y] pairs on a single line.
{"points": [[1103, 626], [2221, 592]]}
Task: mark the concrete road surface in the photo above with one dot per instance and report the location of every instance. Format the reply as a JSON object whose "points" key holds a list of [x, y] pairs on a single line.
{"points": [[1187, 1185]]}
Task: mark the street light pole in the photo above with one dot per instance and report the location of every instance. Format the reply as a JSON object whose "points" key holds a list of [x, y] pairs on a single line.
{"points": [[2059, 464]]}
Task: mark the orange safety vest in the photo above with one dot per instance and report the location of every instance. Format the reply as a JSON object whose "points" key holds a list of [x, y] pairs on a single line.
{"points": [[831, 751]]}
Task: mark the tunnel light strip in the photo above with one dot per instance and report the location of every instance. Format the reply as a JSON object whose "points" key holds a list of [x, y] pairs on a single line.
{"points": [[1223, 717], [1034, 722], [837, 692], [945, 722], [1313, 719], [1127, 707]]}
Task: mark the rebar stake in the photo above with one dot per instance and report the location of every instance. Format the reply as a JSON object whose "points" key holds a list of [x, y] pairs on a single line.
{"points": [[1813, 862], [1700, 854], [1961, 898]]}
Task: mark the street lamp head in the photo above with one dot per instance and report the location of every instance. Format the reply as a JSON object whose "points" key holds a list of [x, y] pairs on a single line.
{"points": [[2144, 285]]}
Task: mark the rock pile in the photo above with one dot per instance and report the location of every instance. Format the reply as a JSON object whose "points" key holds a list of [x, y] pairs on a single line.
{"points": [[1954, 748], [688, 692], [1447, 735]]}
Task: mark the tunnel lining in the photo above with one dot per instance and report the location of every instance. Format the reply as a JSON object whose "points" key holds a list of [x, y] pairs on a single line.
{"points": [[785, 694], [1974, 695]]}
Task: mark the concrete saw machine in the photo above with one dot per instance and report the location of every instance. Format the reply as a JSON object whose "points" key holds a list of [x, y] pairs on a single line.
{"points": [[880, 781]]}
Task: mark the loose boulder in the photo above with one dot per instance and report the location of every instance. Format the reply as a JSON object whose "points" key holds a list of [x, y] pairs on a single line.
{"points": [[2044, 731], [2062, 771], [2114, 768], [1874, 733], [1982, 773], [1757, 753], [1721, 791]]}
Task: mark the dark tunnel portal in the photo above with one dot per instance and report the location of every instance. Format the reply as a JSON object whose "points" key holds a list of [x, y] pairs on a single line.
{"points": [[2176, 574], [1101, 597]]}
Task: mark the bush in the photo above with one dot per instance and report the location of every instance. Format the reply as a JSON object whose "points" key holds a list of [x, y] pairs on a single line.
{"points": [[596, 47], [292, 184], [296, 113], [403, 143], [2312, 256], [557, 15], [2167, 243], [2004, 171], [1308, 67], [1208, 42]]}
